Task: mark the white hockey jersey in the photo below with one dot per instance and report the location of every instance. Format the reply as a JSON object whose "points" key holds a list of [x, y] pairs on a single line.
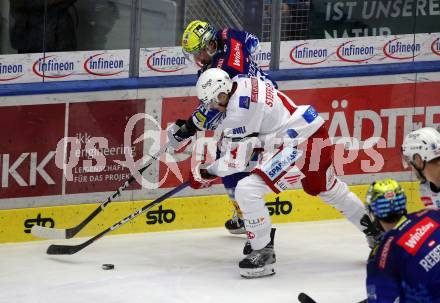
{"points": [[429, 197], [257, 110]]}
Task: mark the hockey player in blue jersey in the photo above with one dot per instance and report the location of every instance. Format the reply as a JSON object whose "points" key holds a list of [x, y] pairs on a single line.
{"points": [[404, 267], [230, 50]]}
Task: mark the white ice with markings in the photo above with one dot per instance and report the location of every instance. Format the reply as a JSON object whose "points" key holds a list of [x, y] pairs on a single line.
{"points": [[324, 259]]}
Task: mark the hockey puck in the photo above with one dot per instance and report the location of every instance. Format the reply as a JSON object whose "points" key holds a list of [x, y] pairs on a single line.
{"points": [[108, 266]]}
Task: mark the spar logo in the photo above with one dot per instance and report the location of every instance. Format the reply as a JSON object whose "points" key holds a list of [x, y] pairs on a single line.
{"points": [[161, 62], [350, 52], [53, 67], [398, 50], [9, 72], [100, 66], [303, 55], [435, 46]]}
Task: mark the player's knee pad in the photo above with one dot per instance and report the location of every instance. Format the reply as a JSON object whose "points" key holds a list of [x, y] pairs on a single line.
{"points": [[248, 196]]}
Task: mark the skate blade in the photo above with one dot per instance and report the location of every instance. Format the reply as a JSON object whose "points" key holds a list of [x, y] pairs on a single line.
{"points": [[239, 231], [252, 273]]}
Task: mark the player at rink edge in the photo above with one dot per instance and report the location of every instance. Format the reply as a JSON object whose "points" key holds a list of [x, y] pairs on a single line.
{"points": [[230, 50], [421, 152], [404, 266], [256, 111]]}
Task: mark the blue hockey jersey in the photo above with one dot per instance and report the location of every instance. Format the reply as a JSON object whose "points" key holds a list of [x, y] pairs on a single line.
{"points": [[405, 266], [233, 55]]}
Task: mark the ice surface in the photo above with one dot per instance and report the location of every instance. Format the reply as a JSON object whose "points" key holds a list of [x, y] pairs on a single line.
{"points": [[324, 259]]}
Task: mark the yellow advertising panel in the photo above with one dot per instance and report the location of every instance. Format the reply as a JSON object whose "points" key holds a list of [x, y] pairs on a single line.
{"points": [[174, 213]]}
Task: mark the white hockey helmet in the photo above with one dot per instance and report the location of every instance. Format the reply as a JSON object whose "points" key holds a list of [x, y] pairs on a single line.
{"points": [[424, 142], [211, 83]]}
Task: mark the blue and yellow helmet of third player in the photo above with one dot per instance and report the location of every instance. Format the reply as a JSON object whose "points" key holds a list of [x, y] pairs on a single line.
{"points": [[197, 36], [386, 200]]}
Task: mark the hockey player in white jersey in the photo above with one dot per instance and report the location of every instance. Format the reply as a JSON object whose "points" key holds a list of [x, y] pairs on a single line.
{"points": [[421, 151], [295, 146]]}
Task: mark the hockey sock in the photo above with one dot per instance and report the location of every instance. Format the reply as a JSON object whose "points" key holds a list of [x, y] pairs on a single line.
{"points": [[346, 202]]}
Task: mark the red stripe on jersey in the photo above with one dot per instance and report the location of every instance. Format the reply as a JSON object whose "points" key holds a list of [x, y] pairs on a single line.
{"points": [[413, 239], [286, 103], [236, 60], [292, 179], [385, 252], [254, 89]]}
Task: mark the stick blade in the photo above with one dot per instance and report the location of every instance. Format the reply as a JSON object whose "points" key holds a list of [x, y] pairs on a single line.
{"points": [[55, 249], [48, 233], [303, 298]]}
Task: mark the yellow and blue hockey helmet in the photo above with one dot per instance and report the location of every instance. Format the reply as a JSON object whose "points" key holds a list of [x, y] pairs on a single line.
{"points": [[386, 200], [196, 37]]}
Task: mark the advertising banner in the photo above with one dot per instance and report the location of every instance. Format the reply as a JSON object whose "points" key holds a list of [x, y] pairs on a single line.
{"points": [[367, 117], [359, 51], [18, 68], [33, 137], [356, 18], [175, 213], [370, 122], [29, 136], [98, 127], [64, 66]]}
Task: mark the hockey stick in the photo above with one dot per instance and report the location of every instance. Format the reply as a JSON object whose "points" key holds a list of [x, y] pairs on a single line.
{"points": [[303, 298], [61, 233], [71, 249]]}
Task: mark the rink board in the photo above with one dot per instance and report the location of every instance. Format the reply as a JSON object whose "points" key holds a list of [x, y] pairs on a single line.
{"points": [[372, 113], [174, 214]]}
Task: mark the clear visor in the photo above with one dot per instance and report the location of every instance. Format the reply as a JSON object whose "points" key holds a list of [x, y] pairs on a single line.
{"points": [[193, 55]]}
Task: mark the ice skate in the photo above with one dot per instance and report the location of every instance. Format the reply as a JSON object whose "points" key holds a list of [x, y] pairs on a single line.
{"points": [[235, 225], [259, 263], [247, 249]]}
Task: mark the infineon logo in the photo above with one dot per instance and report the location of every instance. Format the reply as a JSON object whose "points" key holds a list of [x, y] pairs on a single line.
{"points": [[52, 67], [98, 65], [9, 72], [435, 46], [350, 52], [262, 58], [303, 55], [397, 50], [165, 64]]}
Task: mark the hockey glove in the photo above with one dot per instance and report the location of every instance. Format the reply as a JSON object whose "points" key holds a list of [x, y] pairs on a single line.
{"points": [[252, 44], [200, 178], [178, 133]]}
